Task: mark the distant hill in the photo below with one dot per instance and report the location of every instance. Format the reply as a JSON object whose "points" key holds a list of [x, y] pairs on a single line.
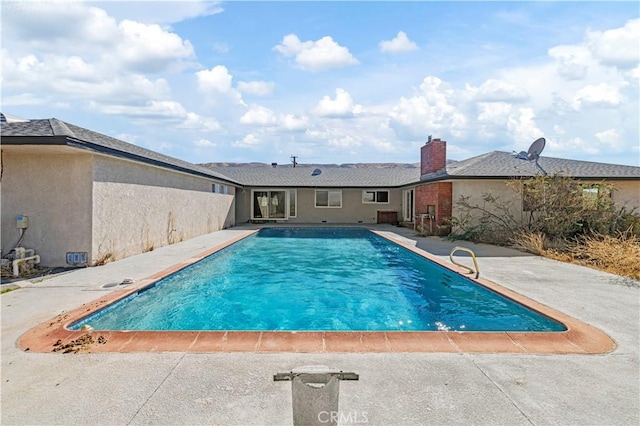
{"points": [[346, 166]]}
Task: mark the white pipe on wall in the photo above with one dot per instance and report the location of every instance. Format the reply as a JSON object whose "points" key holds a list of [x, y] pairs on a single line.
{"points": [[16, 263]]}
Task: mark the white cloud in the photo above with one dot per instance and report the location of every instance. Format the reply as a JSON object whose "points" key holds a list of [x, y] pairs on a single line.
{"points": [[433, 108], [195, 121], [218, 80], [570, 147], [23, 99], [342, 106], [204, 143], [572, 62], [161, 12], [75, 54], [515, 126], [293, 123], [494, 112], [611, 139], [249, 141], [150, 48], [72, 78], [617, 47], [319, 55], [494, 90], [602, 94], [400, 43], [153, 109], [43, 29], [522, 126], [258, 115], [256, 88], [167, 111]]}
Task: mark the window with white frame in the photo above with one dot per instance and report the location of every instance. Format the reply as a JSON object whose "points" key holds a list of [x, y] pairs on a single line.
{"points": [[375, 197], [328, 198]]}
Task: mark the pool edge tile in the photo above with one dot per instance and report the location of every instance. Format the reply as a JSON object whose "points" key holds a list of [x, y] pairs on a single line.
{"points": [[292, 341], [364, 341], [419, 341], [483, 342]]}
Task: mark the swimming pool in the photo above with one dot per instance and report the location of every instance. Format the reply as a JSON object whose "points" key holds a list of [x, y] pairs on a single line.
{"points": [[333, 279]]}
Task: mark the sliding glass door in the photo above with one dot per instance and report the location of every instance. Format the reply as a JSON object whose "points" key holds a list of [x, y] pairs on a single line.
{"points": [[269, 204]]}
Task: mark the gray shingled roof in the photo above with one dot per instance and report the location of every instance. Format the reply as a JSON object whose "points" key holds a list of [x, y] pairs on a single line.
{"points": [[331, 176], [500, 164], [496, 164], [87, 139]]}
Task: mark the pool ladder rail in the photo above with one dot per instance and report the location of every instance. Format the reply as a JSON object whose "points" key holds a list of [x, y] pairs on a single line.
{"points": [[473, 257]]}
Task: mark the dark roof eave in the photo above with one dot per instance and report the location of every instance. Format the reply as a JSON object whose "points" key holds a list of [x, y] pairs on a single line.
{"points": [[496, 177], [89, 146], [76, 143], [34, 140], [248, 185]]}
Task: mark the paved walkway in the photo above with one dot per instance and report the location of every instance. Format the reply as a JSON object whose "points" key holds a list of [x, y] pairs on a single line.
{"points": [[402, 389]]}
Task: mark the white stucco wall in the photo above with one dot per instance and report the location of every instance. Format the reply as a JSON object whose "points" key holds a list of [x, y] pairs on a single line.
{"points": [[139, 207], [54, 191], [627, 193], [475, 189]]}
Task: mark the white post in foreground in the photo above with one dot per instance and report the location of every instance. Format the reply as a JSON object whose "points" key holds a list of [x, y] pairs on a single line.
{"points": [[315, 393]]}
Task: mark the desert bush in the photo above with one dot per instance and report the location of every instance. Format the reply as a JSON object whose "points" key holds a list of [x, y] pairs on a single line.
{"points": [[616, 254], [558, 207], [563, 219]]}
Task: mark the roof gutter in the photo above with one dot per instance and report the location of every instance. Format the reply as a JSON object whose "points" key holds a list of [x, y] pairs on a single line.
{"points": [[589, 178], [76, 143]]}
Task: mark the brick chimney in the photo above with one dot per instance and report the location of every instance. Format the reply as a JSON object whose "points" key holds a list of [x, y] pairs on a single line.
{"points": [[433, 156]]}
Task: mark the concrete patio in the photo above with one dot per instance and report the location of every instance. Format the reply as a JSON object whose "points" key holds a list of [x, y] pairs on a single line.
{"points": [[400, 388]]}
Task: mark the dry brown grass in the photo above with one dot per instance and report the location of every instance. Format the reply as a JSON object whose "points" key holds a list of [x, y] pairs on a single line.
{"points": [[618, 255], [104, 258], [531, 242]]}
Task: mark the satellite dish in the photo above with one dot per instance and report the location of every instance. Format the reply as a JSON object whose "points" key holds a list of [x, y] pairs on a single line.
{"points": [[536, 149], [533, 154], [316, 172]]}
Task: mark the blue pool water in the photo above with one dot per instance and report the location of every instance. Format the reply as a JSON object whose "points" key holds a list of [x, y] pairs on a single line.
{"points": [[317, 279]]}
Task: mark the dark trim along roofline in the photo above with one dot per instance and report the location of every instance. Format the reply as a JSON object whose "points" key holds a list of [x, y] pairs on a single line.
{"points": [[329, 186], [34, 140], [75, 143], [89, 146], [589, 178]]}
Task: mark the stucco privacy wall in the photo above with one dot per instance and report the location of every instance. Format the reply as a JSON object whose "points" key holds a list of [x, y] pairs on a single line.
{"points": [[139, 207], [353, 210], [625, 193], [54, 191]]}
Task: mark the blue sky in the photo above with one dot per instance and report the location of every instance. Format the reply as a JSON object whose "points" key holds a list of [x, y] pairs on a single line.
{"points": [[331, 82]]}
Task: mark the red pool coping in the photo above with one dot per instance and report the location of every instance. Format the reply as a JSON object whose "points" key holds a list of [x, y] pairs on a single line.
{"points": [[54, 336]]}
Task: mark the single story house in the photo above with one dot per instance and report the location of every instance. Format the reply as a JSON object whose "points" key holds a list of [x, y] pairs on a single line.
{"points": [[399, 193], [89, 193]]}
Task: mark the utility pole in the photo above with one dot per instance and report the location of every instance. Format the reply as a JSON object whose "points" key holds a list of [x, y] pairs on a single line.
{"points": [[293, 160]]}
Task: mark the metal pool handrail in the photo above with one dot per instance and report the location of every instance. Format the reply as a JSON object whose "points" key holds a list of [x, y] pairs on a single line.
{"points": [[473, 257]]}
